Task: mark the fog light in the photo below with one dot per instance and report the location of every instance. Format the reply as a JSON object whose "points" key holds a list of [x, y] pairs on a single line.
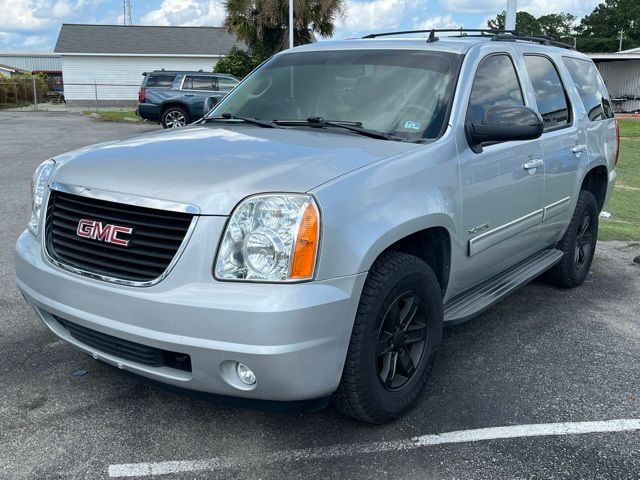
{"points": [[246, 374]]}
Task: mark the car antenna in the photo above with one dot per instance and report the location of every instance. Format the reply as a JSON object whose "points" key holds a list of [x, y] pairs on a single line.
{"points": [[432, 36]]}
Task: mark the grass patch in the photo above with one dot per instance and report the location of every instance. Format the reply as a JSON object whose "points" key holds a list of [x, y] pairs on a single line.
{"points": [[19, 104], [116, 115], [624, 205], [629, 128]]}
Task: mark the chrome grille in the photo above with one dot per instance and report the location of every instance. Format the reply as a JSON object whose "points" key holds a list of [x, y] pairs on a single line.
{"points": [[155, 238]]}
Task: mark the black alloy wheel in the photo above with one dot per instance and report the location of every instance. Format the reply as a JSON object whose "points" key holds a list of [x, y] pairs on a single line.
{"points": [[401, 341], [584, 241]]}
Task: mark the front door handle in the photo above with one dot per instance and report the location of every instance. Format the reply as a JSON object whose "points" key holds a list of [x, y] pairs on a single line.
{"points": [[532, 165], [579, 148]]}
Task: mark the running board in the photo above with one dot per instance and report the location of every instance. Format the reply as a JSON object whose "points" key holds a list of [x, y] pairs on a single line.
{"points": [[473, 302]]}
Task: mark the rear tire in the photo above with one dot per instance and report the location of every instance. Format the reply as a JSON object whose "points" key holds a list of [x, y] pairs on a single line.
{"points": [[174, 117], [578, 244], [396, 334]]}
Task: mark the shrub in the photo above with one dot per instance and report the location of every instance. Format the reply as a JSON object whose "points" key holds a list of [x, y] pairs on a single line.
{"points": [[238, 63]]}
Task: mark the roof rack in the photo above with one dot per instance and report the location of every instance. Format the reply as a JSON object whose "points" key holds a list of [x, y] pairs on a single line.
{"points": [[495, 34]]}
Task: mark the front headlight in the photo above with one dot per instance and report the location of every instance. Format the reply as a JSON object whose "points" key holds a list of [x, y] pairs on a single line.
{"points": [[270, 238], [38, 190]]}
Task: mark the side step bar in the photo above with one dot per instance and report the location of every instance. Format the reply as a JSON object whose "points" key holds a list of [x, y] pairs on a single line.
{"points": [[474, 301]]}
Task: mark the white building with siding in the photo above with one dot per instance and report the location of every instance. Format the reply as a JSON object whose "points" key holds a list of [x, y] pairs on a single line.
{"points": [[621, 72], [106, 62]]}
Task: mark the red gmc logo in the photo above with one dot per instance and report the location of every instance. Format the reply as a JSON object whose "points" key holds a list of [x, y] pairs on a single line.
{"points": [[105, 233]]}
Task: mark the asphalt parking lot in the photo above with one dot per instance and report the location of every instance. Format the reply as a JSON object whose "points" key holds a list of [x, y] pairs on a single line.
{"points": [[543, 356]]}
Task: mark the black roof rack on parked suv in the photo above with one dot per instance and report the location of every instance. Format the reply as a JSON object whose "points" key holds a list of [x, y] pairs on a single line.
{"points": [[495, 34]]}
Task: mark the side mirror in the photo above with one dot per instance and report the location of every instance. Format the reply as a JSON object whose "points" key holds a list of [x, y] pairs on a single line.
{"points": [[209, 103], [503, 124]]}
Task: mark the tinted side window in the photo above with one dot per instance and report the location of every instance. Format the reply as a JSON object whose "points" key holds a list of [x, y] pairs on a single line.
{"points": [[549, 91], [199, 83], [160, 80], [590, 87], [495, 83]]}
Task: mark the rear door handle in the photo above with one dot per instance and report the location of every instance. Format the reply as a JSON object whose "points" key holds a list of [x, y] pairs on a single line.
{"points": [[532, 165], [579, 148]]}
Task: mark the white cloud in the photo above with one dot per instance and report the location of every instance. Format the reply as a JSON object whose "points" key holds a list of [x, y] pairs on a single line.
{"points": [[439, 21], [535, 7], [186, 13], [371, 16], [20, 16], [37, 15], [61, 9], [35, 41]]}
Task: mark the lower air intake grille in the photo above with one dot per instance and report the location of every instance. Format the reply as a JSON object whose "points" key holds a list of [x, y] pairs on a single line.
{"points": [[126, 350]]}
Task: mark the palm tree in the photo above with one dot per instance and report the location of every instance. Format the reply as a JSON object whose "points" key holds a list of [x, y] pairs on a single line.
{"points": [[264, 24]]}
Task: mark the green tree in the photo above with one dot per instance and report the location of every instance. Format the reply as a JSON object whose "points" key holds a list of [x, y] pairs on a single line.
{"points": [[264, 24], [558, 25], [237, 62], [611, 16], [525, 23]]}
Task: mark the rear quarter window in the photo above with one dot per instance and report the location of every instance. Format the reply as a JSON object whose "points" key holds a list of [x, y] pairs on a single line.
{"points": [[226, 84], [550, 95], [591, 88], [159, 80]]}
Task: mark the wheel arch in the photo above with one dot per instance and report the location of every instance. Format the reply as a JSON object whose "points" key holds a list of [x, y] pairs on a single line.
{"points": [[427, 238], [596, 181], [173, 103]]}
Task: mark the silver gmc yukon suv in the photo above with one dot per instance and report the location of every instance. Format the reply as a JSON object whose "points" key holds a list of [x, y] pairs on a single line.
{"points": [[310, 236]]}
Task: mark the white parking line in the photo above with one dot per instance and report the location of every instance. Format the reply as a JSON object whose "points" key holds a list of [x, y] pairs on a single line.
{"points": [[462, 436]]}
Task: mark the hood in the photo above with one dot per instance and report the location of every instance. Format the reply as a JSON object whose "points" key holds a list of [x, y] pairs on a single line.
{"points": [[214, 167]]}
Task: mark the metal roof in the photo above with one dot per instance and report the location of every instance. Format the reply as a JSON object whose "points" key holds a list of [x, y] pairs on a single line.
{"points": [[620, 56], [32, 61], [11, 69], [144, 40]]}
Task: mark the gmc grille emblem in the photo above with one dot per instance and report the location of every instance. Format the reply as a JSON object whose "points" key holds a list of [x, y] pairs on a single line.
{"points": [[108, 233]]}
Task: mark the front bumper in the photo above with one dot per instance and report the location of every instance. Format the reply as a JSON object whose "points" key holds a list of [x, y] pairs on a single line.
{"points": [[293, 336]]}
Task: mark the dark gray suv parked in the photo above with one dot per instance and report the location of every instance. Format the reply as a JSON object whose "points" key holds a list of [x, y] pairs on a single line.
{"points": [[176, 98]]}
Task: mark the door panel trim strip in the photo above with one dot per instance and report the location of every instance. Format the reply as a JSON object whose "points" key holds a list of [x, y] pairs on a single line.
{"points": [[492, 237], [556, 208]]}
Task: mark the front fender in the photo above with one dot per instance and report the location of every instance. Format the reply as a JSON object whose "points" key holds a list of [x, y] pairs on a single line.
{"points": [[366, 211]]}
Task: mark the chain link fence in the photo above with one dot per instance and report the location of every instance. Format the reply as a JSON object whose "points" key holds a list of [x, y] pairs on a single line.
{"points": [[49, 94], [22, 92]]}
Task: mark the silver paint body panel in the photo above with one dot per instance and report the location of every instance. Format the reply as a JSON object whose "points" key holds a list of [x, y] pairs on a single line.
{"points": [[372, 193]]}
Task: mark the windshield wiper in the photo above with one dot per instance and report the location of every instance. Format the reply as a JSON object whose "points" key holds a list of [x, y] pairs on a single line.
{"points": [[251, 120], [356, 127]]}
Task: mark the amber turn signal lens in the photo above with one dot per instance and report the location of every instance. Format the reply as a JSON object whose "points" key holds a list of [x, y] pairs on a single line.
{"points": [[306, 243]]}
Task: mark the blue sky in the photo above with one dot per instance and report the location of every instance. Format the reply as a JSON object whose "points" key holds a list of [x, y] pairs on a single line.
{"points": [[33, 25]]}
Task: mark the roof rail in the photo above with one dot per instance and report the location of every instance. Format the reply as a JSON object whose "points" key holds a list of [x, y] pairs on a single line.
{"points": [[495, 34]]}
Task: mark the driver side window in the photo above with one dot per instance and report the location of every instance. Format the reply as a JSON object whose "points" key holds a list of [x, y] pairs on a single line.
{"points": [[495, 84]]}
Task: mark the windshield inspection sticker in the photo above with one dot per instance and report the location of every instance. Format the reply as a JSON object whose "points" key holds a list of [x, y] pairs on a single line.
{"points": [[412, 125]]}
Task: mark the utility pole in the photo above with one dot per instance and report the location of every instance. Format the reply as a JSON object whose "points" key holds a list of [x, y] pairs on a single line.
{"points": [[290, 23], [621, 36], [510, 20], [126, 12]]}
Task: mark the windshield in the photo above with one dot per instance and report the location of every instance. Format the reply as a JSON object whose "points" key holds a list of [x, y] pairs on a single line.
{"points": [[403, 93]]}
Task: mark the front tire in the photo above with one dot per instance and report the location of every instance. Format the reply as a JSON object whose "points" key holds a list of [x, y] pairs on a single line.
{"points": [[174, 117], [578, 244], [396, 333]]}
